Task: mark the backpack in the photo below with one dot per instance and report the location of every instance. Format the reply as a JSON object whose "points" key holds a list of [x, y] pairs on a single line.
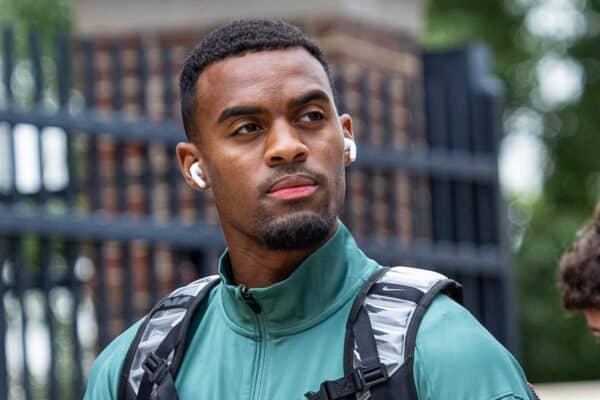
{"points": [[379, 347]]}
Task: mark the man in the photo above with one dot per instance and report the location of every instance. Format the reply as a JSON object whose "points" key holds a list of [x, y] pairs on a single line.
{"points": [[579, 271], [265, 136]]}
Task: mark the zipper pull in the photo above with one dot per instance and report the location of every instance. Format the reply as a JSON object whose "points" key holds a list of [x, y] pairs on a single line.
{"points": [[250, 300]]}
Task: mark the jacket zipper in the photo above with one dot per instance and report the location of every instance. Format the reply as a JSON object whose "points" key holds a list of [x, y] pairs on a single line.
{"points": [[250, 300], [256, 392]]}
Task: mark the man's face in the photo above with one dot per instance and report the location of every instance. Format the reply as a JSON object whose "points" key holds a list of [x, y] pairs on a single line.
{"points": [[593, 320], [271, 146]]}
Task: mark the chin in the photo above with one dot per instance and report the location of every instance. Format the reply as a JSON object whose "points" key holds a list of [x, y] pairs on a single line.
{"points": [[297, 230]]}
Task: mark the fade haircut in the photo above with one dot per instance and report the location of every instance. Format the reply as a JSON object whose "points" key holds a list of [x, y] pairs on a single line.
{"points": [[235, 39], [579, 268]]}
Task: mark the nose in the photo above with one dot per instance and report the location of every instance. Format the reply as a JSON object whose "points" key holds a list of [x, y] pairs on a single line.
{"points": [[284, 146]]}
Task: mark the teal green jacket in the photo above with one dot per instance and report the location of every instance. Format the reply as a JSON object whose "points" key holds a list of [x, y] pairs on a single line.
{"points": [[297, 340]]}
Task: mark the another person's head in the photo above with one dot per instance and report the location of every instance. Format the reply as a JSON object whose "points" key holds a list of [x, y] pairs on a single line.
{"points": [[580, 273], [258, 109]]}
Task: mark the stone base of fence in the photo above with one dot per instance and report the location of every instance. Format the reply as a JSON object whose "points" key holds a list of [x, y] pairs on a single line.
{"points": [[589, 390]]}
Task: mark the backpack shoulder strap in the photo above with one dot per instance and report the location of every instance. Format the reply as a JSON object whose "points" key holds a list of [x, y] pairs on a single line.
{"points": [[381, 334], [154, 356], [400, 360]]}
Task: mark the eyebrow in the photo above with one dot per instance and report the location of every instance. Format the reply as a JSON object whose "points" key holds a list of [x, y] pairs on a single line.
{"points": [[316, 94], [237, 111]]}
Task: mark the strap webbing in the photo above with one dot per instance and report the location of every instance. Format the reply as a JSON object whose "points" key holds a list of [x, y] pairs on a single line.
{"points": [[365, 339], [369, 356], [171, 349], [157, 371]]}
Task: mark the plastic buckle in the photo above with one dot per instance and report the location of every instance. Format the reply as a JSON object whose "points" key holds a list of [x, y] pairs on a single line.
{"points": [[156, 368], [371, 376]]}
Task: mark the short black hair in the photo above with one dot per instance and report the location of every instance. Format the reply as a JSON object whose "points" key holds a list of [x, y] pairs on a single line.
{"points": [[579, 268], [234, 39]]}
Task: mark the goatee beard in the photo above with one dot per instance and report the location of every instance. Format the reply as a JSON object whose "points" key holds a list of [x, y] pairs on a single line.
{"points": [[296, 232]]}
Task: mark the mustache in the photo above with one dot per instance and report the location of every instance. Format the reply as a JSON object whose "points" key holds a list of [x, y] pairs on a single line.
{"points": [[290, 170]]}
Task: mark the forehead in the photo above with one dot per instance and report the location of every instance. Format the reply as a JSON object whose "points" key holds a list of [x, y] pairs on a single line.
{"points": [[265, 76]]}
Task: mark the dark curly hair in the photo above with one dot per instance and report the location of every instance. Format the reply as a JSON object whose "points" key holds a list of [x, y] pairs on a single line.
{"points": [[580, 268], [235, 39]]}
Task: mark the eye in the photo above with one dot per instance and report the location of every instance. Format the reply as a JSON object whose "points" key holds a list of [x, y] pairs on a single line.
{"points": [[247, 129], [312, 116]]}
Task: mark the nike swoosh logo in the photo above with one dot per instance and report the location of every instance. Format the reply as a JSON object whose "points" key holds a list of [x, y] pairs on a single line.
{"points": [[388, 289]]}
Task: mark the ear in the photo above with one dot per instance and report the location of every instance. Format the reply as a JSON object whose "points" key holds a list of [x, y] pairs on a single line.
{"points": [[346, 123], [188, 154]]}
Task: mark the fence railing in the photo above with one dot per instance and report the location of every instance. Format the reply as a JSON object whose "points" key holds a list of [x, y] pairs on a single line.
{"points": [[96, 223]]}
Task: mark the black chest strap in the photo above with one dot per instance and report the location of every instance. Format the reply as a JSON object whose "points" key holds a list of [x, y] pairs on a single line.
{"points": [[358, 381]]}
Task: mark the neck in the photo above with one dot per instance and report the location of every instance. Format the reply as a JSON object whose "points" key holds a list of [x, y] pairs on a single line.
{"points": [[256, 266]]}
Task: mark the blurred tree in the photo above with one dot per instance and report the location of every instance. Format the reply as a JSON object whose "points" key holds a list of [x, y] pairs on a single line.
{"points": [[527, 36], [49, 20], [48, 17]]}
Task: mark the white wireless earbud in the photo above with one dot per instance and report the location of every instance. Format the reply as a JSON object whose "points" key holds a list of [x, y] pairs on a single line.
{"points": [[196, 172], [351, 146]]}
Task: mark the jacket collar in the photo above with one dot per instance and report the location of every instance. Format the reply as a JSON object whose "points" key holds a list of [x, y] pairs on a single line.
{"points": [[324, 282]]}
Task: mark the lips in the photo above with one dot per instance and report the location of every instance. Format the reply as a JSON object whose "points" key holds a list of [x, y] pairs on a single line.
{"points": [[292, 187], [291, 181]]}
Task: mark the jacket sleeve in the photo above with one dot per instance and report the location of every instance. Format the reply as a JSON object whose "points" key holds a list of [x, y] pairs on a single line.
{"points": [[103, 380], [457, 358]]}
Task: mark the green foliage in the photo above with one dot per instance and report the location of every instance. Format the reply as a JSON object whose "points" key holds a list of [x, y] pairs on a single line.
{"points": [[574, 181], [49, 18], [554, 344]]}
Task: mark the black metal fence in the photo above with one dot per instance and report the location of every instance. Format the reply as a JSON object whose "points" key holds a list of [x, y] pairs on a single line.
{"points": [[96, 223]]}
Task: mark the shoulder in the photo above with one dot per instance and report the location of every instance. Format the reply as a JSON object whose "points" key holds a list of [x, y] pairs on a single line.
{"points": [[103, 380], [456, 357]]}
